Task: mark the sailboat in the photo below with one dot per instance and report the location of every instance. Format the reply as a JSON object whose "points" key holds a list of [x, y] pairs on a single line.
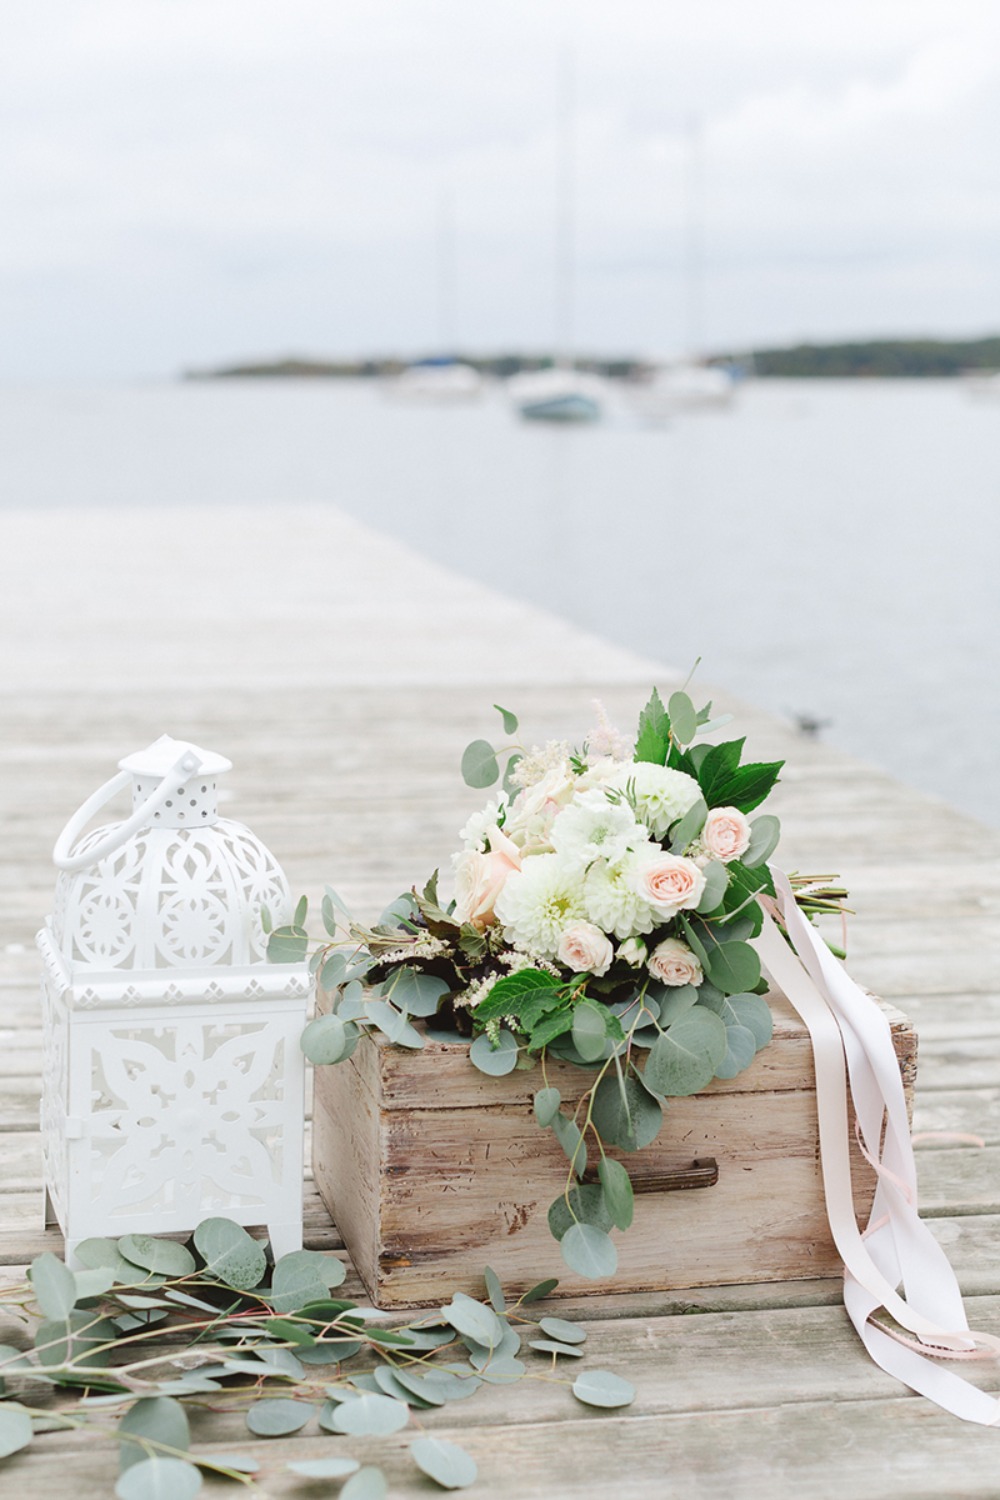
{"points": [[563, 393]]}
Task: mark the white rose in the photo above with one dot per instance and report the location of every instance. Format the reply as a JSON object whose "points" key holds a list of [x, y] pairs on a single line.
{"points": [[633, 952], [671, 883], [585, 949], [672, 962], [726, 834]]}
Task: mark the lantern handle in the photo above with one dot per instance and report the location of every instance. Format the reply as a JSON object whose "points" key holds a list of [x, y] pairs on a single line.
{"points": [[185, 766]]}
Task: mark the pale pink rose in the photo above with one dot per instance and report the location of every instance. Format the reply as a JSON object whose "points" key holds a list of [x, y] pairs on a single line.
{"points": [[479, 879], [585, 949], [672, 962], [726, 834], [633, 952], [670, 883]]}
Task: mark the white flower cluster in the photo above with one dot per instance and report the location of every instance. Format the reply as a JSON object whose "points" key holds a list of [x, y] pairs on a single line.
{"points": [[572, 869]]}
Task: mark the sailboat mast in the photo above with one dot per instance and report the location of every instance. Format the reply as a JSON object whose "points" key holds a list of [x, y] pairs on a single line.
{"points": [[565, 177], [694, 242]]}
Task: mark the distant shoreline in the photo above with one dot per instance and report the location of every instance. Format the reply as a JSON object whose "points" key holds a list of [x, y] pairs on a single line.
{"points": [[880, 359]]}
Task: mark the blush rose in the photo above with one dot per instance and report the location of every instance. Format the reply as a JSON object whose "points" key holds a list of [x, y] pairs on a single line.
{"points": [[671, 883], [726, 834], [479, 879], [672, 962], [585, 949]]}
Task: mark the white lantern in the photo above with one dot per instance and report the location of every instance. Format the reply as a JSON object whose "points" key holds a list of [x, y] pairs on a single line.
{"points": [[173, 1081]]}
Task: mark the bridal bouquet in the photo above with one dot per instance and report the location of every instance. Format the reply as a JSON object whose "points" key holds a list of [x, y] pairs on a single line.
{"points": [[605, 901]]}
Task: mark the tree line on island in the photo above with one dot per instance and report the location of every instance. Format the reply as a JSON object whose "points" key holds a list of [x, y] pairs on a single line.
{"points": [[924, 358]]}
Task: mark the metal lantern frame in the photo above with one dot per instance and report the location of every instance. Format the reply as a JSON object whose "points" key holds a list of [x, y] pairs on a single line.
{"points": [[173, 1084]]}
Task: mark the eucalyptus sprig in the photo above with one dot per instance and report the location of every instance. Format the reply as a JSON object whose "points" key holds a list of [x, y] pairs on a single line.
{"points": [[149, 1329]]}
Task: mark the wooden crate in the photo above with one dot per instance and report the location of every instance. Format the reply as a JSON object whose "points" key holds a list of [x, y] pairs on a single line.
{"points": [[432, 1171]]}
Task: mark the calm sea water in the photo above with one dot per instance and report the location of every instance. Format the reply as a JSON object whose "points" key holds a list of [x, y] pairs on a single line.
{"points": [[829, 549]]}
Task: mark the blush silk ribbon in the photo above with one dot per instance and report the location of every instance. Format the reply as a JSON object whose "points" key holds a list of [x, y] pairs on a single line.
{"points": [[851, 1040]]}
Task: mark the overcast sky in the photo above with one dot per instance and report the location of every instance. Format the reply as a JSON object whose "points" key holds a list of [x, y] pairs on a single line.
{"points": [[185, 182]]}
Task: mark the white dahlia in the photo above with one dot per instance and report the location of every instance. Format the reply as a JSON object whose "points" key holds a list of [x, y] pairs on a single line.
{"points": [[592, 827], [538, 902], [661, 795], [613, 899]]}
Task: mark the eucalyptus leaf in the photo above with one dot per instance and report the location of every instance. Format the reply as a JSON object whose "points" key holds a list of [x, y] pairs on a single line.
{"points": [[240, 1463], [393, 1024], [159, 1479], [624, 1113], [602, 1388], [502, 1371], [685, 1058], [370, 1415], [741, 1049], [230, 1254], [54, 1285], [589, 1251], [546, 1105], [287, 945], [78, 1338], [479, 764], [509, 719], [447, 1464], [278, 1416], [539, 1291], [686, 829], [417, 993], [569, 1137], [753, 1012], [564, 1331], [302, 1277], [324, 1468], [163, 1256], [474, 1320], [618, 1194], [161, 1419], [683, 718], [495, 1060], [324, 1040], [385, 1379], [93, 1282], [282, 1361], [590, 1030], [676, 1001], [16, 1430], [551, 1346], [586, 1205], [494, 1290], [421, 1386], [733, 967], [765, 831], [716, 883], [99, 1252], [368, 1483]]}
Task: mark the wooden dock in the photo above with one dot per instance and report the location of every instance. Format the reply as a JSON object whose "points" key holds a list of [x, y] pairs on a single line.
{"points": [[343, 676]]}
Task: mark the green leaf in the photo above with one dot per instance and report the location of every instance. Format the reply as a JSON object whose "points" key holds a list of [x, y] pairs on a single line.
{"points": [[324, 1040], [715, 769], [590, 1029], [393, 1024], [230, 1254], [734, 967], [287, 945], [625, 1114], [324, 1468], [683, 718], [741, 1049], [676, 1001], [494, 1060], [417, 993], [473, 1320], [370, 1415], [494, 1290], [509, 719], [479, 764], [447, 1464], [302, 1277], [566, 1333], [510, 786], [684, 1059], [589, 1251], [278, 1416], [54, 1286], [751, 784], [617, 1191], [93, 1282], [159, 1479], [546, 1104], [98, 1252], [508, 995], [16, 1431], [552, 1346], [551, 1026], [601, 1388], [765, 832], [301, 912], [163, 1256], [586, 1205], [653, 737], [569, 1137], [539, 1291], [368, 1483], [160, 1418], [77, 1338]]}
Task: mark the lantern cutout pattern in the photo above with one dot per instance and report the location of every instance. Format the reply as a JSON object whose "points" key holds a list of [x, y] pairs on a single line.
{"points": [[174, 1079]]}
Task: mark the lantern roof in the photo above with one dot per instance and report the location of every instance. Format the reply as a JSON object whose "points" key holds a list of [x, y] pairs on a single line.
{"points": [[163, 754]]}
